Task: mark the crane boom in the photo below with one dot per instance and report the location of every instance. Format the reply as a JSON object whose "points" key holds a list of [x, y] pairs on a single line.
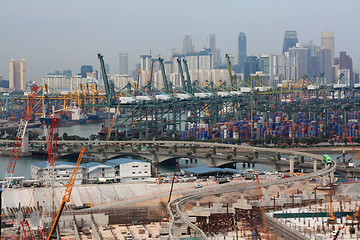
{"points": [[20, 135], [188, 80], [183, 83], [105, 79], [66, 197], [231, 77], [166, 84]]}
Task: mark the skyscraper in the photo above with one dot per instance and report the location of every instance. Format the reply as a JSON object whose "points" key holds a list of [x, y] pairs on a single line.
{"points": [[85, 69], [212, 41], [242, 52], [145, 63], [187, 44], [290, 40], [123, 63], [297, 62], [216, 52], [17, 75], [328, 42], [346, 63], [251, 65], [325, 66]]}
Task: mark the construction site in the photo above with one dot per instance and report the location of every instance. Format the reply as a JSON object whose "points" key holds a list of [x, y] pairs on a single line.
{"points": [[300, 206]]}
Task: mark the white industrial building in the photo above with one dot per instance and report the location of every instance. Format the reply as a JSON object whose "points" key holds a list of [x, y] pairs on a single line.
{"points": [[120, 170], [127, 170], [97, 170], [62, 172]]}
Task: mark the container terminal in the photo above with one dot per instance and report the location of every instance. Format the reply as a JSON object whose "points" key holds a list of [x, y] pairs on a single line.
{"points": [[244, 209]]}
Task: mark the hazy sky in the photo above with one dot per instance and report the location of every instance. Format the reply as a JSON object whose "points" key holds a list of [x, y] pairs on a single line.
{"points": [[58, 35]]}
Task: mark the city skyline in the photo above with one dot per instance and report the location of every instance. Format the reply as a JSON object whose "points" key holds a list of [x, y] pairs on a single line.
{"points": [[61, 37]]}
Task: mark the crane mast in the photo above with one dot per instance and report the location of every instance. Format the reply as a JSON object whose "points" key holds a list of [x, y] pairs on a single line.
{"points": [[20, 136], [66, 197]]}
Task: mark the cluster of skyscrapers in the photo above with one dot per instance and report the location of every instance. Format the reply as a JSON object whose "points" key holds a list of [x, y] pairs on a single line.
{"points": [[297, 61]]}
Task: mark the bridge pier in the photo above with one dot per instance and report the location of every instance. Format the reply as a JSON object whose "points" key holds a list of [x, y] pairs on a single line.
{"points": [[314, 164], [325, 178], [332, 177], [293, 158]]}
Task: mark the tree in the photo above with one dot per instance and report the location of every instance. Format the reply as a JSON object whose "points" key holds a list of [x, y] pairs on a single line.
{"points": [[93, 137]]}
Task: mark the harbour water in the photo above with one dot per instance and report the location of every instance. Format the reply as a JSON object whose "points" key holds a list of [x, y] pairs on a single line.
{"points": [[23, 165]]}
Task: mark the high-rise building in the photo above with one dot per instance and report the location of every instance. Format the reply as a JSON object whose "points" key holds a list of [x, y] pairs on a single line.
{"points": [[85, 69], [325, 65], [145, 63], [123, 63], [251, 65], [328, 42], [212, 41], [203, 60], [214, 50], [346, 63], [17, 75], [297, 62], [290, 40], [264, 63], [187, 44], [242, 52]]}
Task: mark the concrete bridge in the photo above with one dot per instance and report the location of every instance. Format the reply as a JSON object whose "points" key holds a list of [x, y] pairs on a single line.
{"points": [[97, 150]]}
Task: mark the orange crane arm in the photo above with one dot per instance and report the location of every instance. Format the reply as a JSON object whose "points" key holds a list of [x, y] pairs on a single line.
{"points": [[66, 197]]}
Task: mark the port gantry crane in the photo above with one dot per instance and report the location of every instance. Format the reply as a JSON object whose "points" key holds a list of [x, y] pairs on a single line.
{"points": [[67, 194], [20, 136]]}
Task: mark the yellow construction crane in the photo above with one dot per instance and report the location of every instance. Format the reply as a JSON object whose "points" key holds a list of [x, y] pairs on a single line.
{"points": [[136, 85], [66, 197]]}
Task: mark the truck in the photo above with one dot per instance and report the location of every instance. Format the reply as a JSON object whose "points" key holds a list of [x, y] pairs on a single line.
{"points": [[85, 205], [223, 180]]}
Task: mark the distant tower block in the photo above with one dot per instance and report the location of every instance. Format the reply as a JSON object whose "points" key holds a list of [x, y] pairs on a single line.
{"points": [[328, 42], [290, 40]]}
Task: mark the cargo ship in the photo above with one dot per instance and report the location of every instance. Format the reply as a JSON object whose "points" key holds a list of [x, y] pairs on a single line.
{"points": [[71, 116], [95, 117]]}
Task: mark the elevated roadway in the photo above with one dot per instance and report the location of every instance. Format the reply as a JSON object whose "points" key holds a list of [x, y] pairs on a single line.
{"points": [[174, 207]]}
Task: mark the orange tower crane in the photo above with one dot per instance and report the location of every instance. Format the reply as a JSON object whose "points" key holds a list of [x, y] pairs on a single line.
{"points": [[66, 197]]}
